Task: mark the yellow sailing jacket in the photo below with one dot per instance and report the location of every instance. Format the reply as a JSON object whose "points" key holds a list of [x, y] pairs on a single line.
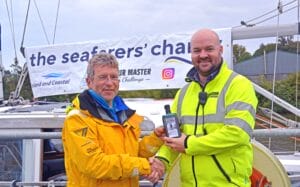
{"points": [[219, 138], [100, 152]]}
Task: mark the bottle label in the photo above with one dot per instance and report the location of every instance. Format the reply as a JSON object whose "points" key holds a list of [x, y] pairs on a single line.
{"points": [[171, 125]]}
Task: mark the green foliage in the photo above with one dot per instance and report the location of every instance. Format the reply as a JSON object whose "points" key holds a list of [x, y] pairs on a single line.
{"points": [[26, 91], [240, 53], [9, 83], [284, 44], [16, 68], [284, 89]]}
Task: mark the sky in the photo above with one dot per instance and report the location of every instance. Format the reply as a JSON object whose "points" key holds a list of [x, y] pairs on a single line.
{"points": [[88, 20]]}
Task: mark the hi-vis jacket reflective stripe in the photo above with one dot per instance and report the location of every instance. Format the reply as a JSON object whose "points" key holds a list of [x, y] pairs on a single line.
{"points": [[99, 152], [228, 118]]}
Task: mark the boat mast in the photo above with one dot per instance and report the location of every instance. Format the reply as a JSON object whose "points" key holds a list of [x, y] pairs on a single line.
{"points": [[1, 73]]}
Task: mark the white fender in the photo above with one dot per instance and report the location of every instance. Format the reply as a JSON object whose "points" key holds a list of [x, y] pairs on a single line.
{"points": [[269, 165]]}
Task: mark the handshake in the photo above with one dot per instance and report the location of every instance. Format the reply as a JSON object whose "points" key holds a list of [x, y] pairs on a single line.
{"points": [[157, 170], [157, 166]]}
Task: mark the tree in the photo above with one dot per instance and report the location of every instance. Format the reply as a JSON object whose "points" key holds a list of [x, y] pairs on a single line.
{"points": [[10, 81], [240, 54], [285, 43], [26, 91], [16, 68], [285, 40], [264, 48], [285, 89]]}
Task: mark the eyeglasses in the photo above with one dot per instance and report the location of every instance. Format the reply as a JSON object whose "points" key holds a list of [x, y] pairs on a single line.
{"points": [[104, 78]]}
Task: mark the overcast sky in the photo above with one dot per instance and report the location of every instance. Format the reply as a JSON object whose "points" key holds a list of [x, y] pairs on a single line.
{"points": [[84, 20]]}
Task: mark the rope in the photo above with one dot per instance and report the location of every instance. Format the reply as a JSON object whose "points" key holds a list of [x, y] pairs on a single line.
{"points": [[54, 32], [297, 72], [274, 10], [274, 15], [275, 67], [11, 24], [42, 23], [267, 13], [24, 30]]}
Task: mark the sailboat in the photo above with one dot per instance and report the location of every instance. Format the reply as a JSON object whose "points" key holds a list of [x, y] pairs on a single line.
{"points": [[27, 125]]}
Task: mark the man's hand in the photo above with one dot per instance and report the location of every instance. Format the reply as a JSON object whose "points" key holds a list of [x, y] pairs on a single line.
{"points": [[176, 144], [160, 132], [157, 170]]}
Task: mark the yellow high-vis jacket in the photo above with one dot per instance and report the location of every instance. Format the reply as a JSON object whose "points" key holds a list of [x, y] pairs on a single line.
{"points": [[101, 152], [218, 151]]}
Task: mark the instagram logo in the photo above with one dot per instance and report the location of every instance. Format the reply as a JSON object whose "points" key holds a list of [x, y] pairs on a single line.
{"points": [[168, 73]]}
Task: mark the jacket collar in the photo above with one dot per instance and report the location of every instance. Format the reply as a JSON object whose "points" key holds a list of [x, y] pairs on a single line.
{"points": [[86, 102], [193, 75]]}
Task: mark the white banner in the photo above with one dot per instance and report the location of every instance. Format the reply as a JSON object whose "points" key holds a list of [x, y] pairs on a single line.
{"points": [[150, 62]]}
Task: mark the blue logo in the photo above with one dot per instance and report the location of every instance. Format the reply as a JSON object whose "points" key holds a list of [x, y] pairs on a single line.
{"points": [[176, 59], [56, 75]]}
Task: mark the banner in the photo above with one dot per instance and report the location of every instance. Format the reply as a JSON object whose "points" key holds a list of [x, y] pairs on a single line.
{"points": [[149, 62]]}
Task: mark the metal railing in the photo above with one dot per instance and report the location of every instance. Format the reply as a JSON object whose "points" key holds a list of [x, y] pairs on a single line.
{"points": [[40, 183], [142, 183], [275, 132], [18, 134]]}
